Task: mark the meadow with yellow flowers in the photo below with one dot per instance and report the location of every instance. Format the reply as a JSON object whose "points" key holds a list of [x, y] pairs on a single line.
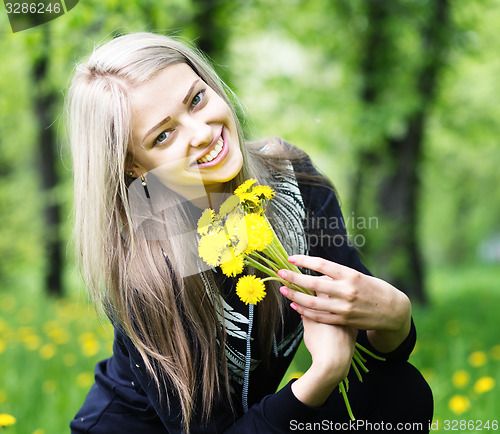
{"points": [[48, 349]]}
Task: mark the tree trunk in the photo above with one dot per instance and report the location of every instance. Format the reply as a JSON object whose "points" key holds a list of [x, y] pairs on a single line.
{"points": [[44, 99], [210, 36], [397, 167]]}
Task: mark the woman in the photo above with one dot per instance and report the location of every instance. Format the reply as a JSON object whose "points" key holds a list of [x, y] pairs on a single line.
{"points": [[155, 140]]}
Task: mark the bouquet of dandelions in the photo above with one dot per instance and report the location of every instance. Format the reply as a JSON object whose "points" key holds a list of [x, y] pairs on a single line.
{"points": [[240, 235]]}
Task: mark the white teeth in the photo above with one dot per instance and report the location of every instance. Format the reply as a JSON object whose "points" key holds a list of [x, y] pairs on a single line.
{"points": [[214, 153]]}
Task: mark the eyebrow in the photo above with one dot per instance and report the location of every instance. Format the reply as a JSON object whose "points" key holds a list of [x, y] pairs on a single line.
{"points": [[190, 91], [167, 119], [158, 125]]}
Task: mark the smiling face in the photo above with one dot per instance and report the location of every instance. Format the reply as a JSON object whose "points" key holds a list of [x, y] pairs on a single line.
{"points": [[184, 132]]}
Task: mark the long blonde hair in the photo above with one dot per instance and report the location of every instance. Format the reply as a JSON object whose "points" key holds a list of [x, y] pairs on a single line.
{"points": [[171, 319]]}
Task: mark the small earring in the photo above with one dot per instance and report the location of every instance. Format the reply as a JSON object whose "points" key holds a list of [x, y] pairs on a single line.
{"points": [[146, 191]]}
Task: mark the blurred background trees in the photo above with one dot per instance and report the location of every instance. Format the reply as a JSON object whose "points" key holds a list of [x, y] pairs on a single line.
{"points": [[395, 101]]}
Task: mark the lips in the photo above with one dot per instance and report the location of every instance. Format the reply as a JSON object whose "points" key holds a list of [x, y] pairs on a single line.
{"points": [[214, 153]]}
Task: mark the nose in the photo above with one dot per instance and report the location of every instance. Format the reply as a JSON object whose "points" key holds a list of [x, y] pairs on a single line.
{"points": [[200, 133]]}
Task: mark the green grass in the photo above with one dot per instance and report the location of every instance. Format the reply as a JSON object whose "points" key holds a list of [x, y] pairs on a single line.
{"points": [[48, 350]]}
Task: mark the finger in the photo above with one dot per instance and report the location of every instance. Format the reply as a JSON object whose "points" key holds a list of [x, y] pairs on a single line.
{"points": [[312, 283], [323, 266], [308, 301], [319, 316]]}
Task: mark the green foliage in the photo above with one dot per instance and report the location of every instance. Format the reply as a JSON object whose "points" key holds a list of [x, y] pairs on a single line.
{"points": [[48, 350], [297, 66]]}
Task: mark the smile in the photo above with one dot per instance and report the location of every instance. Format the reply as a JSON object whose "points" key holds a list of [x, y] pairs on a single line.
{"points": [[218, 152], [214, 153]]}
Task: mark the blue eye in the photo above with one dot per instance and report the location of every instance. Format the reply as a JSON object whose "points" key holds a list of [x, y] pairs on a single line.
{"points": [[162, 138]]}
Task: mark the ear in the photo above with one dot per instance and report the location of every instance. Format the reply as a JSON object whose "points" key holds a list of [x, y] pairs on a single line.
{"points": [[132, 168]]}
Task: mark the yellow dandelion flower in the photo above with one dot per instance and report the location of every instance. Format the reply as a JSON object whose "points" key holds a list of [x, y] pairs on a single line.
{"points": [[229, 205], [90, 348], [32, 342], [460, 378], [250, 289], [235, 223], [59, 335], [249, 197], [235, 228], [212, 246], [484, 384], [84, 380], [243, 188], [233, 267], [259, 233], [263, 191], [459, 404], [477, 358], [6, 420], [226, 255], [47, 351], [205, 221]]}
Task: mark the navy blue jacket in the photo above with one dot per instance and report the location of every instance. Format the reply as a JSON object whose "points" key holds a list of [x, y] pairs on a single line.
{"points": [[124, 399]]}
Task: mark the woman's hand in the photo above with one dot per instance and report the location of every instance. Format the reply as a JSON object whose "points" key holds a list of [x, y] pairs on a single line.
{"points": [[331, 348], [350, 298]]}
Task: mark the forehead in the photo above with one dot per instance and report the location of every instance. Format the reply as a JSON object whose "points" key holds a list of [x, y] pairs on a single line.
{"points": [[168, 82], [160, 96]]}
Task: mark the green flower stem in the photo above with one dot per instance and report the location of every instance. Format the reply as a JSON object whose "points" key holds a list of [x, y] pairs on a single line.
{"points": [[359, 355], [346, 399], [272, 253], [276, 243], [250, 261], [356, 370], [272, 278], [360, 363], [266, 260], [362, 348]]}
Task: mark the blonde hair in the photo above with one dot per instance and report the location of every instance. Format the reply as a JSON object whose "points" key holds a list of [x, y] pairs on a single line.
{"points": [[171, 319]]}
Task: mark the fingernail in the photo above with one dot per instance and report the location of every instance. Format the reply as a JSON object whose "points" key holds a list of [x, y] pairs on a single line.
{"points": [[293, 306], [292, 259], [284, 290], [282, 274]]}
